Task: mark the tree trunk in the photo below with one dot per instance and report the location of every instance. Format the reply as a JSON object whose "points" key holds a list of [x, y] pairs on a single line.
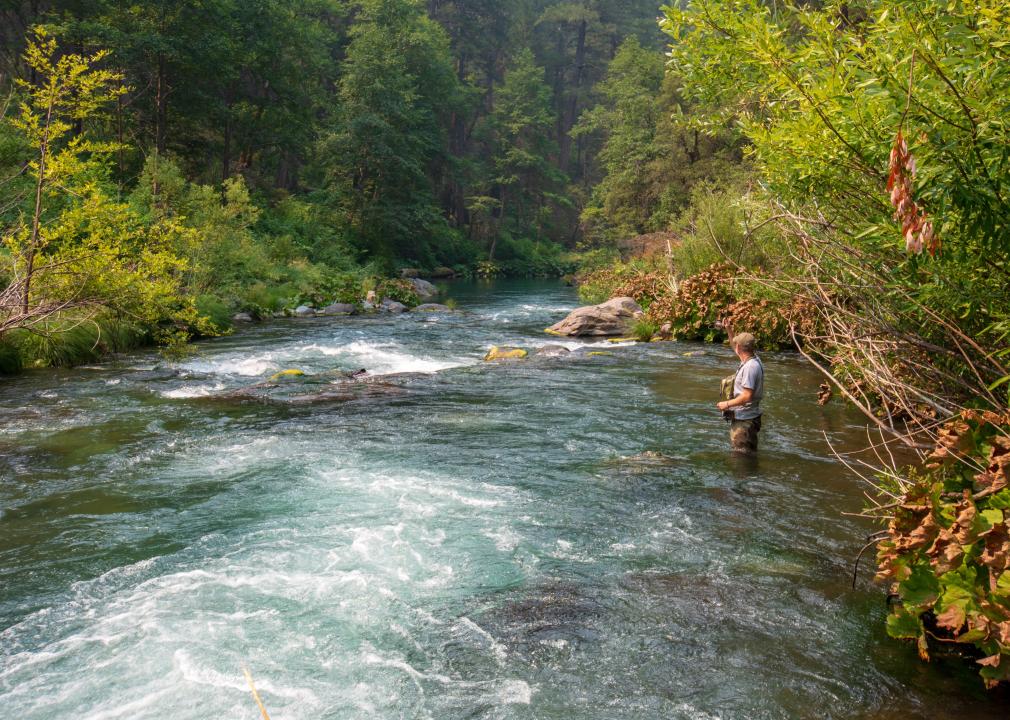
{"points": [[33, 245], [572, 109], [161, 106]]}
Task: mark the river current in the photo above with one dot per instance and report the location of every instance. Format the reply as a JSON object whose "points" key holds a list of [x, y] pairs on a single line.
{"points": [[563, 538]]}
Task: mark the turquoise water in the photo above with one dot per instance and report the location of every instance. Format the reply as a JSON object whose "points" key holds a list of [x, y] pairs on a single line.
{"points": [[551, 539]]}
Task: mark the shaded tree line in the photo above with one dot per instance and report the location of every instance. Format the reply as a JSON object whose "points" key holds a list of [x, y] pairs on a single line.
{"points": [[437, 133]]}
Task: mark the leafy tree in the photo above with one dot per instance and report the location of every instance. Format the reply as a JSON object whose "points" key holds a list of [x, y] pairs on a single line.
{"points": [[72, 251], [648, 159], [388, 144], [525, 181]]}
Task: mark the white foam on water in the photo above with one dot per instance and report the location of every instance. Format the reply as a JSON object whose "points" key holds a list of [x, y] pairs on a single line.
{"points": [[386, 358], [547, 308], [240, 365], [131, 709], [695, 714], [193, 391], [486, 638], [295, 596], [514, 692], [505, 538]]}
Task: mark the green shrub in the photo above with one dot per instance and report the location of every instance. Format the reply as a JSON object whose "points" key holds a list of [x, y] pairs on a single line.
{"points": [[10, 358], [214, 309], [401, 291], [644, 330], [68, 342], [712, 231]]}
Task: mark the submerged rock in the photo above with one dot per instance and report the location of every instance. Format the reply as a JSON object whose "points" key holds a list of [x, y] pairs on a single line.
{"points": [[612, 318], [340, 309], [432, 307], [287, 375], [424, 289], [553, 351], [505, 353], [391, 306]]}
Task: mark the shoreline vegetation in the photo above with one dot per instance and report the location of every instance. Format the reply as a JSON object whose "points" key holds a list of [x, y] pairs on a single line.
{"points": [[830, 177]]}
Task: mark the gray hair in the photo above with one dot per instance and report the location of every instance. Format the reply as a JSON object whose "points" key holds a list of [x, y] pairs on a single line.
{"points": [[744, 342]]}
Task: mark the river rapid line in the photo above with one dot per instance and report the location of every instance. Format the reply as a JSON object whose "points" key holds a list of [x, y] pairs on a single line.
{"points": [[560, 538]]}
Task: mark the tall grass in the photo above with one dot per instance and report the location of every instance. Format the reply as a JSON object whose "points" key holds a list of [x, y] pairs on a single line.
{"points": [[67, 343]]}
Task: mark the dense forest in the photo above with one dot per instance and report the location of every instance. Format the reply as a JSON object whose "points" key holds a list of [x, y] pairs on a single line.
{"points": [[277, 152]]}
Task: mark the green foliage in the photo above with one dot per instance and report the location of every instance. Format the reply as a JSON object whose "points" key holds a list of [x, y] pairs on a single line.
{"points": [[401, 291], [68, 343], [822, 101], [217, 312], [396, 90], [714, 229], [948, 549], [644, 330], [71, 250], [649, 163], [599, 280], [524, 182]]}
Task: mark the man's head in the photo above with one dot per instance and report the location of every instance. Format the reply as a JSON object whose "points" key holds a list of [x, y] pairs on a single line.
{"points": [[743, 344]]}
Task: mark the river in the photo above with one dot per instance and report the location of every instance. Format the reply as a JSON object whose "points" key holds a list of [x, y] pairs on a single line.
{"points": [[550, 539]]}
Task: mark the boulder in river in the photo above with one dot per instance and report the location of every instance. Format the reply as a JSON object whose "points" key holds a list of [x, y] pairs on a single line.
{"points": [[340, 309], [505, 353], [432, 307], [608, 319], [242, 317], [287, 375], [424, 289], [553, 351], [304, 311], [391, 306]]}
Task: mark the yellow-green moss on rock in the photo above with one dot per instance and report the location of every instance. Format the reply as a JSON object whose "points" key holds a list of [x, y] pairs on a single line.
{"points": [[505, 353], [287, 375]]}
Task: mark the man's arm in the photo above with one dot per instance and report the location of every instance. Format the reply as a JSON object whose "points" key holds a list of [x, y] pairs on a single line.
{"points": [[742, 399]]}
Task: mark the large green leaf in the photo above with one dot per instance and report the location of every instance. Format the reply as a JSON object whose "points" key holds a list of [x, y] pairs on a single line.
{"points": [[921, 589], [903, 625]]}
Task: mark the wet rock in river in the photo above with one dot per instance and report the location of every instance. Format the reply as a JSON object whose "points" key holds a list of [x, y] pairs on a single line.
{"points": [[304, 311], [432, 307], [391, 306], [505, 353], [243, 317], [340, 309], [612, 318], [543, 618], [424, 289], [553, 351]]}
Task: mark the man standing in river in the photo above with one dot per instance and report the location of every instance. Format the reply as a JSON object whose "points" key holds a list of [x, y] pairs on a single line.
{"points": [[748, 389]]}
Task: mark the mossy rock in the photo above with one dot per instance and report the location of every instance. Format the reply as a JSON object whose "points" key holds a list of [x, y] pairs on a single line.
{"points": [[287, 375], [600, 353], [615, 341], [505, 353], [555, 333]]}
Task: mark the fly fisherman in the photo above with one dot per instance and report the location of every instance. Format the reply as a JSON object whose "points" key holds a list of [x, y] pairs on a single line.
{"points": [[743, 406]]}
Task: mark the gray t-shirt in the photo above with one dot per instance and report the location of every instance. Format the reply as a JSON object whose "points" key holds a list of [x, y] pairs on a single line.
{"points": [[750, 376]]}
